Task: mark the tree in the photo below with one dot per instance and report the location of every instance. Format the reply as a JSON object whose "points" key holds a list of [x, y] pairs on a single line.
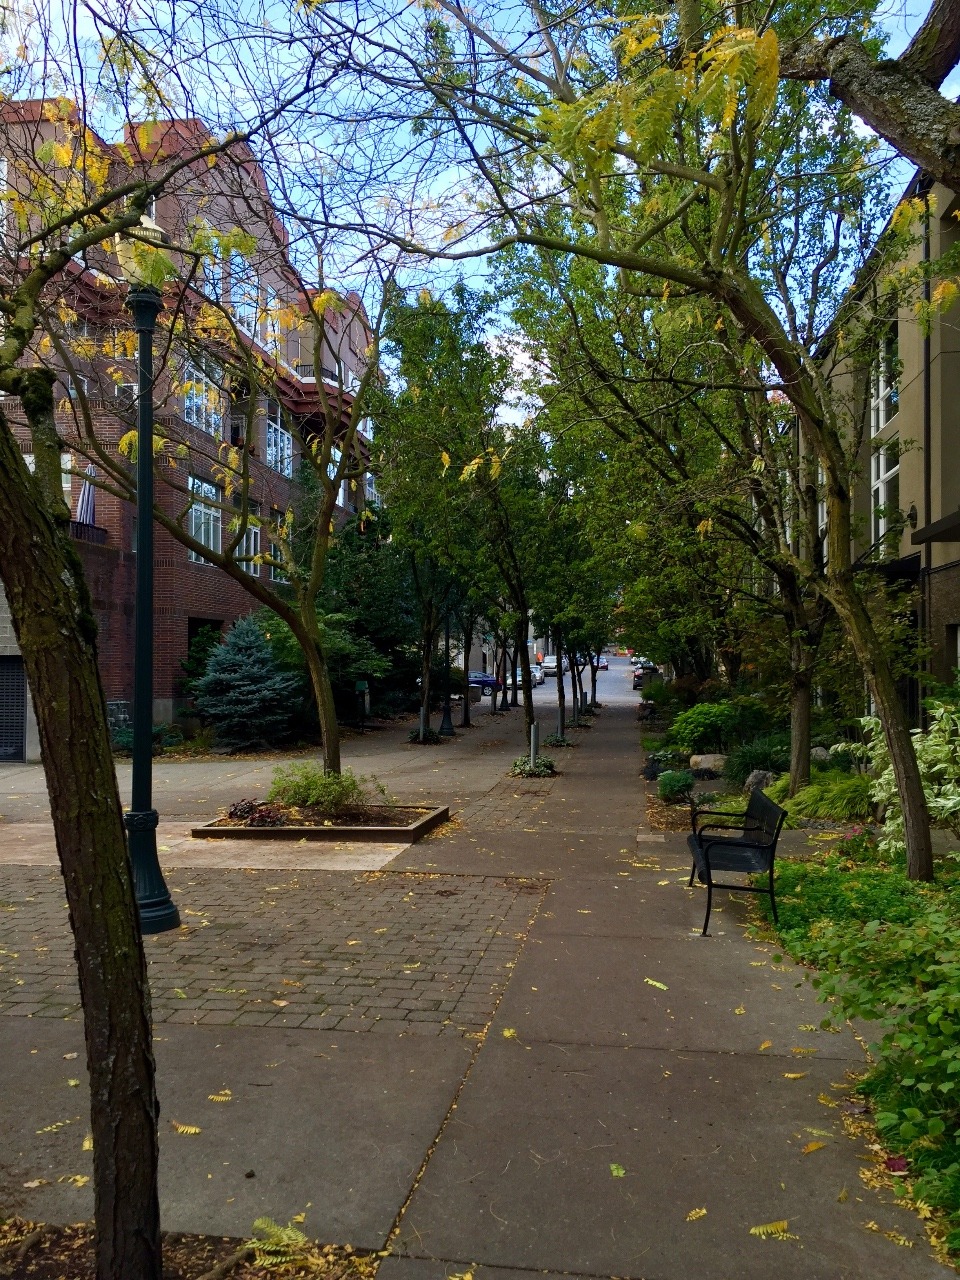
{"points": [[242, 692], [681, 161], [68, 194]]}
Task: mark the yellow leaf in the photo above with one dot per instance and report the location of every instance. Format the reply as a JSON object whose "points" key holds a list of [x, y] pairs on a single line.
{"points": [[74, 1084], [185, 1128], [794, 1075], [281, 1004], [298, 1217], [812, 1146], [740, 1009], [767, 1044], [773, 1230], [223, 1096], [802, 1053], [652, 982], [843, 1196], [87, 1143], [509, 1033], [694, 1214], [806, 1026]]}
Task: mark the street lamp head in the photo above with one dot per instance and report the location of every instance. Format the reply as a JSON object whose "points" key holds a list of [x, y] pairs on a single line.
{"points": [[144, 299]]}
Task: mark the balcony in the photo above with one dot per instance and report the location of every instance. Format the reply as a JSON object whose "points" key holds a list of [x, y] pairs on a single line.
{"points": [[88, 533], [306, 372]]}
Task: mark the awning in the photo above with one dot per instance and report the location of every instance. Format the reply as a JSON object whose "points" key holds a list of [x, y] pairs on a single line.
{"points": [[946, 529]]}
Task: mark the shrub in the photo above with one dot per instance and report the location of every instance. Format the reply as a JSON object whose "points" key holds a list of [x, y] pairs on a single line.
{"points": [[554, 740], [164, 736], [769, 751], [938, 756], [832, 794], [889, 952], [705, 727], [243, 694], [431, 738], [675, 786], [307, 786], [544, 768]]}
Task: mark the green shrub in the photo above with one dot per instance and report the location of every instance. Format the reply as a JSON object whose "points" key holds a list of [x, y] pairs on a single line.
{"points": [[769, 751], [430, 738], [544, 768], [888, 949], [554, 740], [675, 785], [832, 795], [715, 726], [307, 786], [163, 737]]}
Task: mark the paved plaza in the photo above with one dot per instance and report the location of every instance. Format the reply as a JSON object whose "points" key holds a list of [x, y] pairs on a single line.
{"points": [[503, 1050]]}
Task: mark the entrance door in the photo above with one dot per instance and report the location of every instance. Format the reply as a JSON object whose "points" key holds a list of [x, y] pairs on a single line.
{"points": [[13, 709]]}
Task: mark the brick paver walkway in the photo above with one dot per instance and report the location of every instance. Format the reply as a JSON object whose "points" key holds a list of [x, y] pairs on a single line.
{"points": [[425, 954]]}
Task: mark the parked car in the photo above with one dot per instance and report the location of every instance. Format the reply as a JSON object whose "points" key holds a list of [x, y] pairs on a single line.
{"points": [[550, 665], [485, 681], [536, 673], [602, 664]]}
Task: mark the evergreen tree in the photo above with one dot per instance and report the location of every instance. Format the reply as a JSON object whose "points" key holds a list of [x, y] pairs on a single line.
{"points": [[243, 693]]}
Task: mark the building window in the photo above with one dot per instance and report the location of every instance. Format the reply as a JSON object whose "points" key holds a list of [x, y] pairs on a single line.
{"points": [[76, 386], [884, 391], [202, 394], [885, 489], [279, 441], [249, 547], [206, 519], [272, 332], [244, 294]]}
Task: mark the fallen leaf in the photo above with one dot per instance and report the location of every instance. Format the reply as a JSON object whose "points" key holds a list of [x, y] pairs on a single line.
{"points": [[661, 986], [795, 1075], [224, 1095], [663, 882], [896, 1165], [281, 1004], [509, 1033], [802, 1053], [773, 1231], [617, 1171], [185, 1128], [178, 992], [74, 1084], [69, 1057], [694, 1214], [37, 1182], [843, 1196], [87, 1144], [812, 1146], [806, 1026], [767, 1044], [298, 1217], [740, 1009]]}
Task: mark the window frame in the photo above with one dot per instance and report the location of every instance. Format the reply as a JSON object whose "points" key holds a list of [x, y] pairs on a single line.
{"points": [[205, 519], [197, 410], [884, 487], [884, 381], [279, 452]]}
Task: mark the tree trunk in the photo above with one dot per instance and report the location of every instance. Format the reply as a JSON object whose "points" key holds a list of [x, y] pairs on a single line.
{"points": [[55, 628], [323, 693], [870, 652], [426, 663], [801, 692], [526, 680], [573, 689], [514, 691], [504, 701], [561, 689], [593, 683]]}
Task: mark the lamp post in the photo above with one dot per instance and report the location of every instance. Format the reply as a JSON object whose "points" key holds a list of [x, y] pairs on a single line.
{"points": [[157, 910], [446, 729]]}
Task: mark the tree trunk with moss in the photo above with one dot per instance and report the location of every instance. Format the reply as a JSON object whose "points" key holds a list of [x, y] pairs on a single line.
{"points": [[53, 621]]}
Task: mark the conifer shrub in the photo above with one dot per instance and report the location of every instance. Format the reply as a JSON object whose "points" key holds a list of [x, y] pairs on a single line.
{"points": [[243, 693]]}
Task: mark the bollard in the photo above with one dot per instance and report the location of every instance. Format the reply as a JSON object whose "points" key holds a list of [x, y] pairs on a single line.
{"points": [[534, 743]]}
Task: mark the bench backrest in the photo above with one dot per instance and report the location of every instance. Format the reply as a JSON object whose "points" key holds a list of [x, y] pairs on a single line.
{"points": [[764, 818]]}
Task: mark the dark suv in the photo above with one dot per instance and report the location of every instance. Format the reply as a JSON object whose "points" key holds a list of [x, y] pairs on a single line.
{"points": [[485, 681]]}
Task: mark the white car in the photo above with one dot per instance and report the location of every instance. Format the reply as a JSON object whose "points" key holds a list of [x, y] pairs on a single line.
{"points": [[550, 665], [536, 673]]}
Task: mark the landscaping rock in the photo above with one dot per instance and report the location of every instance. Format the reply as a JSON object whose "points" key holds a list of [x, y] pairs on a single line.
{"points": [[759, 778], [709, 764], [819, 755]]}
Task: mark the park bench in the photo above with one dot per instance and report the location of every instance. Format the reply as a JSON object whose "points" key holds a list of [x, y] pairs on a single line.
{"points": [[746, 843]]}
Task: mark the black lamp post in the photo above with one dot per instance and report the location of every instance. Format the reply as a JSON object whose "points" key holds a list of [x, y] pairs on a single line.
{"points": [[157, 910], [446, 729]]}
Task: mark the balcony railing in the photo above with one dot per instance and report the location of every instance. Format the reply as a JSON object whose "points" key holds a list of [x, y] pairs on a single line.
{"points": [[88, 533], [306, 372]]}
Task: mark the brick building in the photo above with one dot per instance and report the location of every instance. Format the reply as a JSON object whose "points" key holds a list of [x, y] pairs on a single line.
{"points": [[302, 375]]}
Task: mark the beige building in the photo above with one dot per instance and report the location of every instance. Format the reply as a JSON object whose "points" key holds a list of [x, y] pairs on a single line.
{"points": [[908, 499]]}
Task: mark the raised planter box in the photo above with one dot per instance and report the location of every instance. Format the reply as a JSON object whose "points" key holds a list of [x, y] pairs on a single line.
{"points": [[418, 827]]}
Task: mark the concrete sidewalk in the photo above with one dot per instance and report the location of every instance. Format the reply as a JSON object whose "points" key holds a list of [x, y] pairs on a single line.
{"points": [[507, 1051]]}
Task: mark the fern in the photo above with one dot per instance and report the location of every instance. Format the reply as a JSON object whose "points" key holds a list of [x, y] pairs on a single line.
{"points": [[277, 1246]]}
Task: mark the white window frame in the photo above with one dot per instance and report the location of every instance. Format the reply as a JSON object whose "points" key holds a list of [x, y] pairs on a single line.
{"points": [[884, 385], [244, 294], [884, 486], [279, 441], [211, 270], [250, 543], [203, 394], [206, 520]]}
